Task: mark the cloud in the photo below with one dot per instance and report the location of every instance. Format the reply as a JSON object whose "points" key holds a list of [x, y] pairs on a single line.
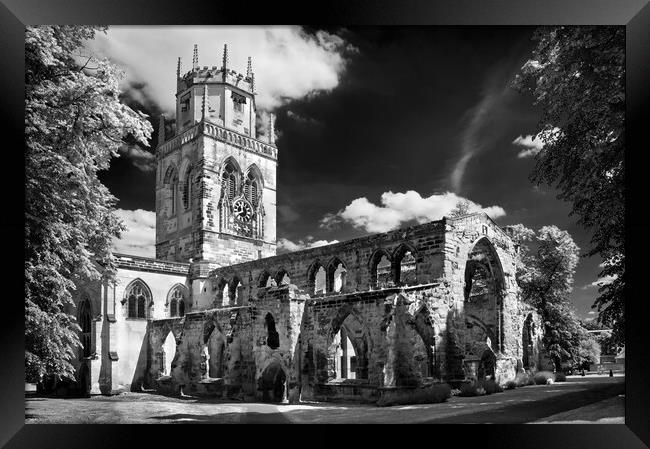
{"points": [[399, 208], [591, 312], [139, 239], [605, 280], [301, 119], [532, 145], [287, 213], [288, 63], [286, 245], [480, 130], [142, 159]]}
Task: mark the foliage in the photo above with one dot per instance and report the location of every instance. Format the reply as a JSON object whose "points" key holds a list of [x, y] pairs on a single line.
{"points": [[462, 208], [74, 123], [510, 385], [560, 377], [542, 377], [577, 75], [545, 276], [432, 394], [523, 379], [479, 388]]}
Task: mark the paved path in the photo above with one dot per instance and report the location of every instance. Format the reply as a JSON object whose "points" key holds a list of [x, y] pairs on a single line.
{"points": [[532, 403]]}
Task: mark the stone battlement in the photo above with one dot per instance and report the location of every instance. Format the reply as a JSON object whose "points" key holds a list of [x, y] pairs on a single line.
{"points": [[220, 133], [148, 264]]}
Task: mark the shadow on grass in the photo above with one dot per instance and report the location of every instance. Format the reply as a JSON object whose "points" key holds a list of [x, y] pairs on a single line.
{"points": [[526, 412], [241, 418]]}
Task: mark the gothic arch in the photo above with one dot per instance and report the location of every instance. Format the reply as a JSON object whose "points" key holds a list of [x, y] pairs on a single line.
{"points": [[254, 170], [170, 173], [332, 267], [138, 299], [356, 329], [174, 301], [312, 274], [279, 276], [398, 257], [484, 288], [234, 285], [263, 279], [376, 278]]}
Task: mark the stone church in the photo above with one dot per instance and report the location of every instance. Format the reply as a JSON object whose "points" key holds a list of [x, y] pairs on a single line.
{"points": [[217, 312]]}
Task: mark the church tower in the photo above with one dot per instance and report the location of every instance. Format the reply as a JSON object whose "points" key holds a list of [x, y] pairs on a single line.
{"points": [[216, 178]]}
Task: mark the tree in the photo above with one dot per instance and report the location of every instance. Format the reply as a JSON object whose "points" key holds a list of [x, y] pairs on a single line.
{"points": [[74, 123], [577, 75], [462, 208], [545, 277]]}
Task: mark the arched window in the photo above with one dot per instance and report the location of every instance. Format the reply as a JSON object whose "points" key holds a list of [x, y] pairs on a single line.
{"points": [[138, 297], [174, 188], [187, 188], [405, 266], [381, 272], [177, 302], [235, 284], [266, 280], [272, 336], [229, 182], [317, 279], [336, 275], [171, 181], [224, 293], [85, 322], [252, 189], [282, 278]]}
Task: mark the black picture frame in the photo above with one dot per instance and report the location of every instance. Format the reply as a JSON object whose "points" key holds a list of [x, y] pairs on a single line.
{"points": [[634, 14]]}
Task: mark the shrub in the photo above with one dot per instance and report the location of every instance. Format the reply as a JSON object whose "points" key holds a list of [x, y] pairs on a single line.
{"points": [[560, 377], [542, 377], [510, 385], [429, 395], [523, 379], [479, 388]]}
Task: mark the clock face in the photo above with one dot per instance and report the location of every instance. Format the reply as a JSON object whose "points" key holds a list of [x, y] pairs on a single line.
{"points": [[242, 210]]}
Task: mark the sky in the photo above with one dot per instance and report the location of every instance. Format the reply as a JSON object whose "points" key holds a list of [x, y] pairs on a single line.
{"points": [[378, 128]]}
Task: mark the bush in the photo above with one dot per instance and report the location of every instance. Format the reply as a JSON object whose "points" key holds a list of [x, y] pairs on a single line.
{"points": [[510, 385], [560, 377], [542, 377], [523, 379], [479, 388], [429, 395]]}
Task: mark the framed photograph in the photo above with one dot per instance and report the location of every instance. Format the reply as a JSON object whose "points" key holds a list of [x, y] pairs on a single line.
{"points": [[390, 215]]}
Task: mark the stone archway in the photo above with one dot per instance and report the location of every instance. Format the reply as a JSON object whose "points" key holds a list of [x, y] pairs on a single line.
{"points": [[346, 358], [273, 383], [487, 365]]}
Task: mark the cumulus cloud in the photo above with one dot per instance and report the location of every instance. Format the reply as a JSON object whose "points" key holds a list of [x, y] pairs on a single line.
{"points": [[399, 208], [287, 246], [287, 62], [532, 145], [139, 239]]}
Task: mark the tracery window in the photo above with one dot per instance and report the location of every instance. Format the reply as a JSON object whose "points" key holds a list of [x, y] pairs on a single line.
{"points": [[138, 300], [187, 189], [251, 190], [177, 303], [229, 182]]}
